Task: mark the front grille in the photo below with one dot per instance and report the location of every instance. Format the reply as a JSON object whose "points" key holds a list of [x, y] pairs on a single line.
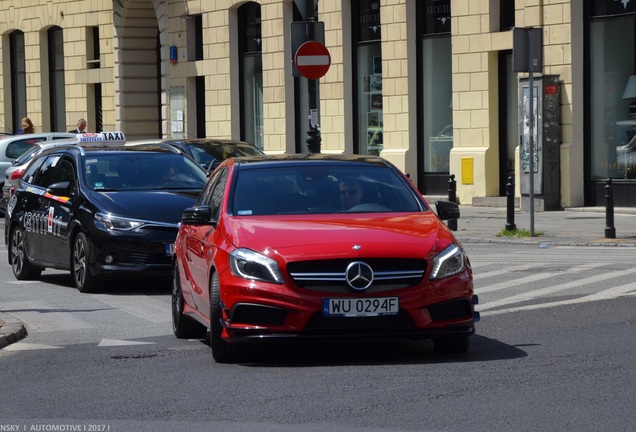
{"points": [[329, 275]]}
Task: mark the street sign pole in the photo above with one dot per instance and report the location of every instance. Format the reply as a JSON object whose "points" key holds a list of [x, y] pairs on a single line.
{"points": [[531, 137], [313, 132], [529, 40]]}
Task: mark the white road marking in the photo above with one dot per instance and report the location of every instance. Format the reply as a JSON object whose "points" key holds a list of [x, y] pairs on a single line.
{"points": [[530, 295], [118, 342], [140, 306], [607, 294]]}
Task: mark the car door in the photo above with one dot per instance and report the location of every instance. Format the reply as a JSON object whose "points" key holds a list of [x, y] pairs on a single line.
{"points": [[30, 206], [200, 250], [59, 211]]}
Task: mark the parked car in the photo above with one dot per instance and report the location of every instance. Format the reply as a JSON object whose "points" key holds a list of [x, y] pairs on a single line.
{"points": [[13, 146], [319, 247], [17, 167], [209, 152], [99, 211]]}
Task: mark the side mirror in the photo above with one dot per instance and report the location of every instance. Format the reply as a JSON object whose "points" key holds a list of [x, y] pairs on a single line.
{"points": [[201, 215], [60, 189], [447, 210]]}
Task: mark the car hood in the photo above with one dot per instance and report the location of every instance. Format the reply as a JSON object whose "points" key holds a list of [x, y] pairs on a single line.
{"points": [[160, 206], [333, 236]]}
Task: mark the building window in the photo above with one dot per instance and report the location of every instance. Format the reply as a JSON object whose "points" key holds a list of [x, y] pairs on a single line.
{"points": [[194, 32], [435, 84], [92, 48], [506, 14], [18, 80], [367, 63], [251, 72], [56, 79]]}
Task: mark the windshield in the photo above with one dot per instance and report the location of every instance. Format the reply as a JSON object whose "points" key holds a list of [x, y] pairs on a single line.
{"points": [[207, 153], [322, 189], [142, 171]]}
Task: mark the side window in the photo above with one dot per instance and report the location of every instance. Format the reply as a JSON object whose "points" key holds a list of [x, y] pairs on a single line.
{"points": [[17, 148], [32, 169], [216, 197], [54, 170]]}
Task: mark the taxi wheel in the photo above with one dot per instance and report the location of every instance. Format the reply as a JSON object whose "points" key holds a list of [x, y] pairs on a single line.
{"points": [[222, 351], [22, 268], [183, 327], [84, 279]]}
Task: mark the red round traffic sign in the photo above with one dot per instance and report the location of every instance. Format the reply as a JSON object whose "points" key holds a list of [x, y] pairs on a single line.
{"points": [[312, 60]]}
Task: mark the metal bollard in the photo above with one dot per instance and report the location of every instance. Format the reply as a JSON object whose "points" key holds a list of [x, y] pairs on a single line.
{"points": [[510, 205], [610, 231], [452, 197]]}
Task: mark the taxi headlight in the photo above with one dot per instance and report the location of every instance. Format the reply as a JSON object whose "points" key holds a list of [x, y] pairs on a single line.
{"points": [[117, 223], [247, 264], [449, 262]]}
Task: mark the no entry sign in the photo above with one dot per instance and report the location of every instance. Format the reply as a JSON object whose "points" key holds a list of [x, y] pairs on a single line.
{"points": [[312, 60]]}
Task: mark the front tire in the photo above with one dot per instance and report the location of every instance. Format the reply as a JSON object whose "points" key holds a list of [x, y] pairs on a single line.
{"points": [[183, 327], [22, 268], [85, 281], [222, 351]]}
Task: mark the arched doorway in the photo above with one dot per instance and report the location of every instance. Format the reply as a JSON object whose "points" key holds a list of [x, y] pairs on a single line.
{"points": [[140, 50]]}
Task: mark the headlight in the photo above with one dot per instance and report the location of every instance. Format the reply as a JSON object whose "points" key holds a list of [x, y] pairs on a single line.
{"points": [[248, 264], [450, 262], [118, 223]]}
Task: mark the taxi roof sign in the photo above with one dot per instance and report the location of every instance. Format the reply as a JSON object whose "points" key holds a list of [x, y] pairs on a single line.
{"points": [[101, 139]]}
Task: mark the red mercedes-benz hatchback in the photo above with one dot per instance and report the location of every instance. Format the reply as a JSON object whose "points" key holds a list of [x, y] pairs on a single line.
{"points": [[319, 247]]}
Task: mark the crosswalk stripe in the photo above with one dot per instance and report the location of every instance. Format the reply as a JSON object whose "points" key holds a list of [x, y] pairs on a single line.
{"points": [[477, 276], [23, 346], [536, 277], [45, 317], [607, 294], [118, 342], [556, 288], [140, 306]]}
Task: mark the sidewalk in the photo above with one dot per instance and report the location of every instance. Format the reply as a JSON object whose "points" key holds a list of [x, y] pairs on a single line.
{"points": [[582, 226]]}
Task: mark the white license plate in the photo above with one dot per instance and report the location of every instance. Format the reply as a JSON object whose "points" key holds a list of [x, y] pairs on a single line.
{"points": [[360, 307], [169, 249]]}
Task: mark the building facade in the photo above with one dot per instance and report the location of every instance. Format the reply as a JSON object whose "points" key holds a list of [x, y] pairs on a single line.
{"points": [[434, 86]]}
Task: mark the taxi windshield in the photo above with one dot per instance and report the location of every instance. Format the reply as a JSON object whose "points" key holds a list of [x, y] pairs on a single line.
{"points": [[126, 171]]}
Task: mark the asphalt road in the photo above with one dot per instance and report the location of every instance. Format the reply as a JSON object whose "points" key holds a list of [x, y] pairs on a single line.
{"points": [[554, 352]]}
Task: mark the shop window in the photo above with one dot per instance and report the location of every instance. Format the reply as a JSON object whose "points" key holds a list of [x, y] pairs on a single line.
{"points": [[251, 73], [368, 76], [612, 123], [57, 99], [435, 109], [18, 80]]}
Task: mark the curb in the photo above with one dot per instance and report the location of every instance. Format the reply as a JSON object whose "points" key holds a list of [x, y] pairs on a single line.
{"points": [[11, 330]]}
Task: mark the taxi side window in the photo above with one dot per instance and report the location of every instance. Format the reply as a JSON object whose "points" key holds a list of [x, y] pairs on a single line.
{"points": [[33, 168], [54, 170]]}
